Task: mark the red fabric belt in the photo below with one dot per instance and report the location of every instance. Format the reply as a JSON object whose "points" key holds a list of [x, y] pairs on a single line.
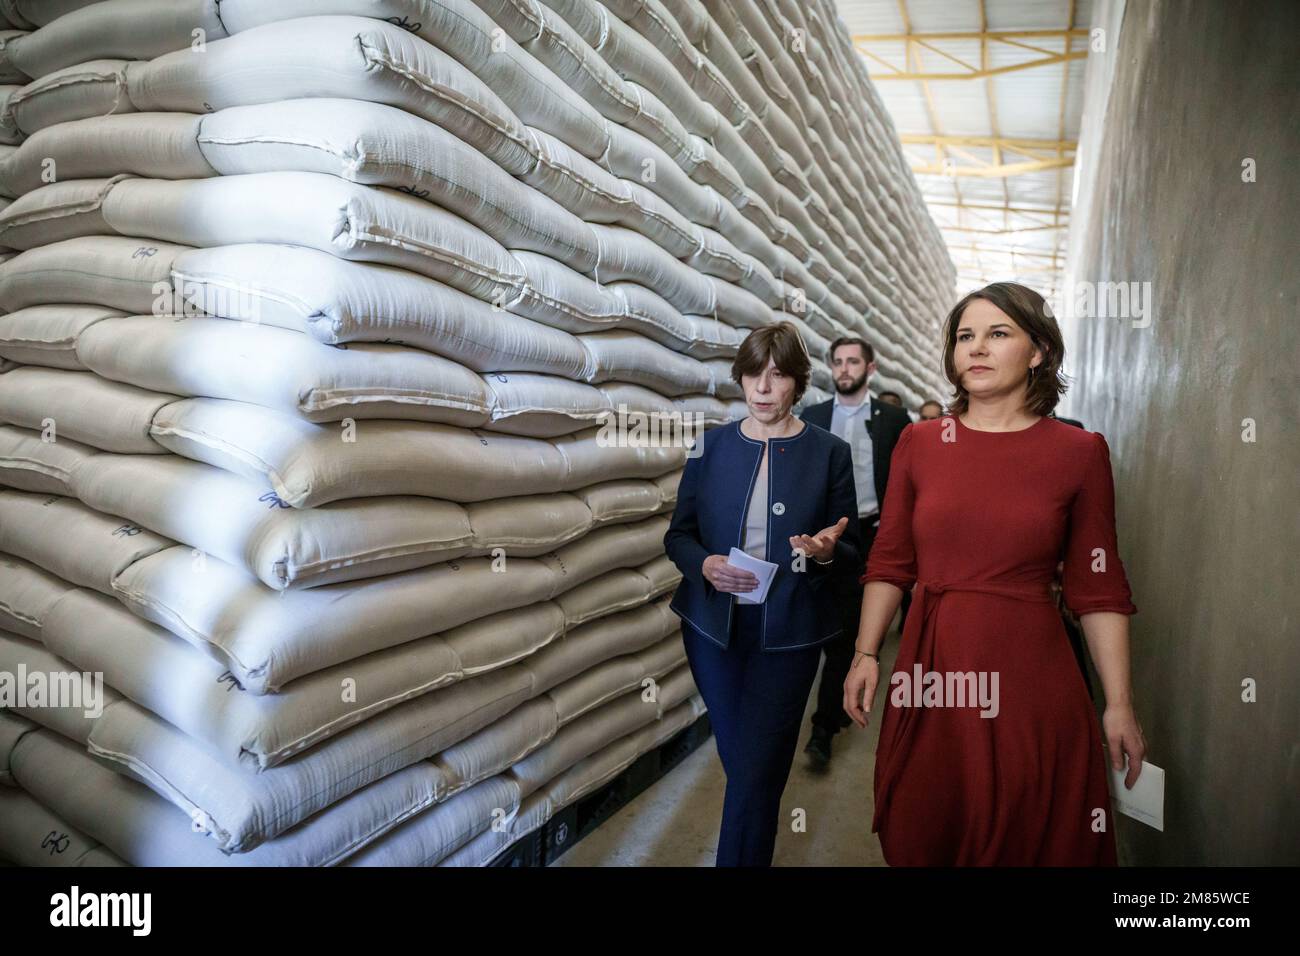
{"points": [[926, 596]]}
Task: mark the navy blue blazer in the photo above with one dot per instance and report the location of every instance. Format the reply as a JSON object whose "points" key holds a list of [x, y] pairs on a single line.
{"points": [[809, 487]]}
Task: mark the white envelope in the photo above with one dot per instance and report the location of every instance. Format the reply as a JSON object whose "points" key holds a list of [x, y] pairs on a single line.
{"points": [[1146, 801], [765, 571]]}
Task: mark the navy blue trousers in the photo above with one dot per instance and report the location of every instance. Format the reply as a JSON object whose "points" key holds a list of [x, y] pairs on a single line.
{"points": [[756, 702]]}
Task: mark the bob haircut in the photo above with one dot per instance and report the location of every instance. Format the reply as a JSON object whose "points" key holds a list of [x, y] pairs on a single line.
{"points": [[1029, 310], [780, 342]]}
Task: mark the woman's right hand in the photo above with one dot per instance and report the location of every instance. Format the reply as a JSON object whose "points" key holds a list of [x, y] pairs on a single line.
{"points": [[860, 688], [727, 577]]}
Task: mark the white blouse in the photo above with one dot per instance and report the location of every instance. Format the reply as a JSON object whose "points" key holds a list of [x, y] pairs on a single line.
{"points": [[756, 517]]}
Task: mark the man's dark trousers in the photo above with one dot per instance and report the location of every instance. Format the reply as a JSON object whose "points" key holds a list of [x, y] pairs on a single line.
{"points": [[829, 715]]}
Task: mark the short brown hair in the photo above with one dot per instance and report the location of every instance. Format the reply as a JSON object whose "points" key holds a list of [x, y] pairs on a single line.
{"points": [[1028, 310], [780, 342], [868, 352]]}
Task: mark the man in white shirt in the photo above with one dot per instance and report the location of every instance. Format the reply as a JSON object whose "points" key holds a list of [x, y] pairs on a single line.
{"points": [[871, 428]]}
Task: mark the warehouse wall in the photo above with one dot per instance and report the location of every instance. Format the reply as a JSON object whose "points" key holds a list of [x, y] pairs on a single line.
{"points": [[1206, 517]]}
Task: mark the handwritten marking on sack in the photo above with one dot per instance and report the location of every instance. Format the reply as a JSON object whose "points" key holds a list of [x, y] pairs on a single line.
{"points": [[404, 23], [231, 680], [272, 500], [127, 531], [144, 252], [56, 841]]}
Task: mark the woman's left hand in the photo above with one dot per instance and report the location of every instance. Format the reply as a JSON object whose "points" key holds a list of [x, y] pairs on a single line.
{"points": [[1124, 739], [820, 546]]}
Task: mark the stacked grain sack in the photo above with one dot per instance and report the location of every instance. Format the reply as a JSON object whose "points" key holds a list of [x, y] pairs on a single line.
{"points": [[316, 315]]}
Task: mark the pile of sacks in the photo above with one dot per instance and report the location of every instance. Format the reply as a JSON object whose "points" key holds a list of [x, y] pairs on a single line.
{"points": [[327, 329]]}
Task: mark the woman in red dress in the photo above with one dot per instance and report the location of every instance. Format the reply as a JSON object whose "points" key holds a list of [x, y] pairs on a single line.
{"points": [[989, 750]]}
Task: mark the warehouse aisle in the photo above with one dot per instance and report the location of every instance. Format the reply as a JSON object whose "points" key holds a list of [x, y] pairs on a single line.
{"points": [[675, 821], [355, 506]]}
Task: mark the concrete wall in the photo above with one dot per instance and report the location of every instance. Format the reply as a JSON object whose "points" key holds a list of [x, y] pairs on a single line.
{"points": [[1207, 521]]}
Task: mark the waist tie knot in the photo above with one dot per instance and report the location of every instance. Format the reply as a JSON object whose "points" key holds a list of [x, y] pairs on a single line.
{"points": [[926, 597]]}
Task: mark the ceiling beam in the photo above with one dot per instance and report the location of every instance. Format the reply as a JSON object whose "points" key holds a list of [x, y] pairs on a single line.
{"points": [[992, 172], [1005, 142], [1044, 211], [1009, 38], [999, 251], [971, 35], [980, 74], [1012, 230]]}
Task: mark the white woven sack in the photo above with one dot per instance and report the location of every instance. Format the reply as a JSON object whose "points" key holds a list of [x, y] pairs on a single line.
{"points": [[81, 406], [114, 272], [262, 365], [94, 88], [308, 465], [380, 145], [458, 28], [129, 29], [338, 302], [340, 57], [31, 835], [72, 542], [158, 145], [345, 219]]}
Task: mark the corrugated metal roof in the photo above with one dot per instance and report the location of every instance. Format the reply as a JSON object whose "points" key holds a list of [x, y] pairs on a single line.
{"points": [[1042, 103]]}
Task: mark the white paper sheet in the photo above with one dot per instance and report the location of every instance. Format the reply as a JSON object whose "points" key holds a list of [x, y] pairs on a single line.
{"points": [[1146, 801], [765, 571]]}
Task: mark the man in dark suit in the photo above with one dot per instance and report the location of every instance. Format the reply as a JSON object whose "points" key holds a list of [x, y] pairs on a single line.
{"points": [[871, 427]]}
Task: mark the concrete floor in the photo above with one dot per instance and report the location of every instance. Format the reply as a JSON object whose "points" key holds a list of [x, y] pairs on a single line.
{"points": [[675, 821]]}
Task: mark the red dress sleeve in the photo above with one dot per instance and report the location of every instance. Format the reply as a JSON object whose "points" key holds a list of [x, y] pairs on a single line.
{"points": [[1093, 578], [893, 556]]}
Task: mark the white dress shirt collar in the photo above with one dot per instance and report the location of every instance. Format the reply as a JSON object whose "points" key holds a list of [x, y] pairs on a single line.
{"points": [[848, 409]]}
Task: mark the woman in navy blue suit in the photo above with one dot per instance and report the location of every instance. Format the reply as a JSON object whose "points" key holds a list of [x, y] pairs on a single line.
{"points": [[782, 491]]}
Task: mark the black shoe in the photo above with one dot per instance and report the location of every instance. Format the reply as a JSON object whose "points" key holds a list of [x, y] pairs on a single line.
{"points": [[845, 720], [819, 749]]}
